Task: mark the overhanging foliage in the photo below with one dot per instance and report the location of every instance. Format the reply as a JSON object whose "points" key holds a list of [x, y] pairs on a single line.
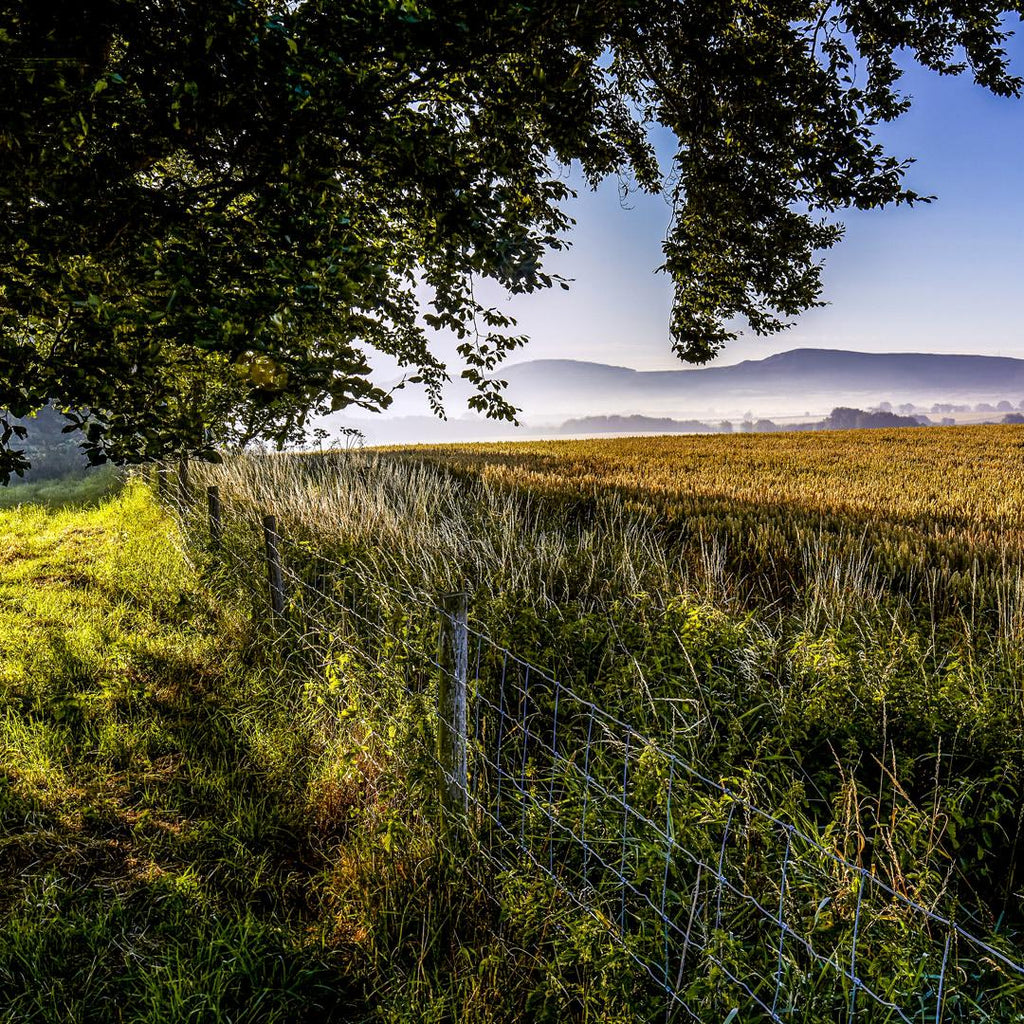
{"points": [[214, 214]]}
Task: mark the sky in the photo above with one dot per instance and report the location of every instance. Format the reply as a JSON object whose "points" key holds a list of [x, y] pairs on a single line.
{"points": [[946, 277]]}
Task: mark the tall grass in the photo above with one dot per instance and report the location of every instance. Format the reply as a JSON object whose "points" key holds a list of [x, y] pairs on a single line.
{"points": [[415, 523], [847, 657]]}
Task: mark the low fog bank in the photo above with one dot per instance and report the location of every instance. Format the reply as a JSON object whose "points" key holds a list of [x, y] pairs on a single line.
{"points": [[804, 389], [428, 430]]}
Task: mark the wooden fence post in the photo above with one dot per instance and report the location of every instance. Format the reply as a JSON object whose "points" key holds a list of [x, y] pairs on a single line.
{"points": [[274, 578], [213, 503], [184, 487], [452, 745]]}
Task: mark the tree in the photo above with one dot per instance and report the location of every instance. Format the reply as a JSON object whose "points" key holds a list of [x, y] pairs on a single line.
{"points": [[215, 214]]}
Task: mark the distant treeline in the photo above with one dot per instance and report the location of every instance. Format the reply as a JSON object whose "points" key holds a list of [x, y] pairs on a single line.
{"points": [[840, 418], [653, 424], [53, 453]]}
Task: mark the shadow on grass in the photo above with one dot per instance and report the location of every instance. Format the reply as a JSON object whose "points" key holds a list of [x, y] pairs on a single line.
{"points": [[161, 871], [158, 954]]}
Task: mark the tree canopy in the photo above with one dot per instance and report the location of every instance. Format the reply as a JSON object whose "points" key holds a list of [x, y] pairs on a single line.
{"points": [[214, 214]]}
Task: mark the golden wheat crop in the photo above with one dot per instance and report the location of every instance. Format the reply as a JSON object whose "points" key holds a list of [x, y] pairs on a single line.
{"points": [[965, 475]]}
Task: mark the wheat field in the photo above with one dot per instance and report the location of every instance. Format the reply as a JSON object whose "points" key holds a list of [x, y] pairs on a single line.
{"points": [[834, 623]]}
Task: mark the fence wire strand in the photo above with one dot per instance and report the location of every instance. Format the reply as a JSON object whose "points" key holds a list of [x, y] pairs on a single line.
{"points": [[670, 862]]}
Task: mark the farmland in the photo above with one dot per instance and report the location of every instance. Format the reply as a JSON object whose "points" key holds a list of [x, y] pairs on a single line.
{"points": [[823, 633], [971, 473], [834, 624]]}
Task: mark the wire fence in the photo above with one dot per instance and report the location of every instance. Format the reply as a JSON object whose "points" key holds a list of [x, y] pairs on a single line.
{"points": [[723, 906]]}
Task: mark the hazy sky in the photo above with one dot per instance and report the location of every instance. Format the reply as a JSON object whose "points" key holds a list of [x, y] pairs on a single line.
{"points": [[940, 278]]}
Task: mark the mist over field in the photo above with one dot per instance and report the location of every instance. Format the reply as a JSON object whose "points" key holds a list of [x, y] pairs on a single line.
{"points": [[799, 388]]}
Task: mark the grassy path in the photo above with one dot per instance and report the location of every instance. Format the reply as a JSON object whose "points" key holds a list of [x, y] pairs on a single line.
{"points": [[157, 859], [192, 832]]}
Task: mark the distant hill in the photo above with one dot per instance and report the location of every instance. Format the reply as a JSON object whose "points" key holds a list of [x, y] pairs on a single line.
{"points": [[799, 384], [783, 384]]}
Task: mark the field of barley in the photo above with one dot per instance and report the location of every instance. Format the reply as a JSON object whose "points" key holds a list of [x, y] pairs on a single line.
{"points": [[827, 627]]}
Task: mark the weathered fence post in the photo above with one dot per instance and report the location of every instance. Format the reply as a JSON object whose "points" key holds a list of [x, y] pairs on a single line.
{"points": [[184, 487], [161, 482], [271, 541], [213, 503], [452, 745]]}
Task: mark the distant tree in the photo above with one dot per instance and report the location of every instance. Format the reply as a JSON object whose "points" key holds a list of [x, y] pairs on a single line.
{"points": [[942, 407], [885, 407], [947, 421], [725, 427], [906, 409], [1004, 406], [747, 426], [765, 427], [1013, 417], [843, 418], [215, 214]]}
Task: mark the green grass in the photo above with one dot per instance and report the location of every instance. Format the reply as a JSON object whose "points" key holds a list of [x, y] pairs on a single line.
{"points": [[73, 490], [151, 865], [186, 835]]}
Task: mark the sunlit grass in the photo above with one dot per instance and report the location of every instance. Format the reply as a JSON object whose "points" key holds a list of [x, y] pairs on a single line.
{"points": [[181, 837], [140, 879]]}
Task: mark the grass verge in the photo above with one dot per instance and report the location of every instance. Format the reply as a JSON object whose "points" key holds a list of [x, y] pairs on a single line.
{"points": [[185, 835], [151, 869]]}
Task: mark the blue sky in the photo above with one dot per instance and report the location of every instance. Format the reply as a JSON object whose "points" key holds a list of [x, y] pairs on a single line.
{"points": [[940, 278]]}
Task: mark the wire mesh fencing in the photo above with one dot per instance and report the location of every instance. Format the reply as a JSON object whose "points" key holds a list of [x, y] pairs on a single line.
{"points": [[722, 906]]}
